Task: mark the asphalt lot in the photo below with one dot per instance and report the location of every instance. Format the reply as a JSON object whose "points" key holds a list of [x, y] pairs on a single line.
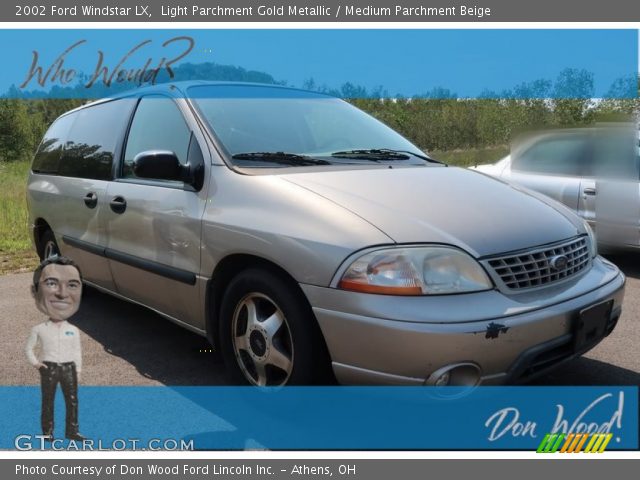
{"points": [[124, 344]]}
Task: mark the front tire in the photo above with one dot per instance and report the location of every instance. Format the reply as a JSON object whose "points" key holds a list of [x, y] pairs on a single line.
{"points": [[269, 336]]}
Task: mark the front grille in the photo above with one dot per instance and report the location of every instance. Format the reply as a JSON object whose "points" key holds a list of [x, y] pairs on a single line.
{"points": [[533, 268]]}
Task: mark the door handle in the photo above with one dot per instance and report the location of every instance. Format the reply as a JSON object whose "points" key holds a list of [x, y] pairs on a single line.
{"points": [[118, 204], [91, 200], [589, 191]]}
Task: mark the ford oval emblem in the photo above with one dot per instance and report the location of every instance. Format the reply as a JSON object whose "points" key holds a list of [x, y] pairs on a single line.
{"points": [[559, 262]]}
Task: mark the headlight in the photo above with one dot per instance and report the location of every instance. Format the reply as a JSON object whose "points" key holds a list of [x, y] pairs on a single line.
{"points": [[593, 241], [415, 271]]}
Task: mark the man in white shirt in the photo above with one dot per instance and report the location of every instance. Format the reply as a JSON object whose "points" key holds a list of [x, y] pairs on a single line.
{"points": [[57, 289]]}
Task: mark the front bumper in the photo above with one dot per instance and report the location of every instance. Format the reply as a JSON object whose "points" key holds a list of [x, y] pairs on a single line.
{"points": [[377, 339]]}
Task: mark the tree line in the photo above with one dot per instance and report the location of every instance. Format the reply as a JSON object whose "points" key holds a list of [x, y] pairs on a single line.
{"points": [[435, 120]]}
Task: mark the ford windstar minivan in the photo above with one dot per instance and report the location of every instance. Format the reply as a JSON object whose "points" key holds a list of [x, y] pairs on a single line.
{"points": [[304, 237]]}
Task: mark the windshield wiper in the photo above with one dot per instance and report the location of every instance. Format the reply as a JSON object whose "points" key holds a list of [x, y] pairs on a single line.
{"points": [[418, 155], [382, 154], [283, 158], [371, 154]]}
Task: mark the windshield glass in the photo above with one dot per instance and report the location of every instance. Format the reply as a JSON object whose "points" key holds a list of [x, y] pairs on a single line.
{"points": [[256, 119]]}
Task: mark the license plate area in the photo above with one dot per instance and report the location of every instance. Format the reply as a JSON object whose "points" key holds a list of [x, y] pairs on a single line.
{"points": [[591, 324]]}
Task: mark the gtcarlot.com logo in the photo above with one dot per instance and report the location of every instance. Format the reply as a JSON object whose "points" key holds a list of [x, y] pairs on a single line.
{"points": [[574, 443], [42, 442]]}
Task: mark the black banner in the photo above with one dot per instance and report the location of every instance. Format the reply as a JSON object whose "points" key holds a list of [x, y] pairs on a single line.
{"points": [[320, 11]]}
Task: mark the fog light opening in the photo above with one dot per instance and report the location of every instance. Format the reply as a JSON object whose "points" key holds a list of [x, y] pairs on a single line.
{"points": [[456, 375]]}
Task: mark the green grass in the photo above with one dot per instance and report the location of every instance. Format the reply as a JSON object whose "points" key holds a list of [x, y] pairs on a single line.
{"points": [[16, 252], [468, 158]]}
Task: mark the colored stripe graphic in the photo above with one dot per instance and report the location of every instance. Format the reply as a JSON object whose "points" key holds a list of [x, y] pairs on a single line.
{"points": [[581, 439], [600, 442], [550, 443], [573, 442], [568, 443]]}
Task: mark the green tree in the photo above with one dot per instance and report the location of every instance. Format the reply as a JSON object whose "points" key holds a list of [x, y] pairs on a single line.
{"points": [[17, 130]]}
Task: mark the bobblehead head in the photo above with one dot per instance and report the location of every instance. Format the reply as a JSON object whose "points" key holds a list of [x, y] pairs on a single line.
{"points": [[58, 291]]}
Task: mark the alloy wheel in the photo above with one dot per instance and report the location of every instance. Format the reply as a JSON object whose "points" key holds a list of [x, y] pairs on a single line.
{"points": [[262, 341]]}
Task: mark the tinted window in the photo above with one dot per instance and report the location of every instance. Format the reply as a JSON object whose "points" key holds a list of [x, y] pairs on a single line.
{"points": [[47, 157], [557, 156], [157, 125], [91, 144]]}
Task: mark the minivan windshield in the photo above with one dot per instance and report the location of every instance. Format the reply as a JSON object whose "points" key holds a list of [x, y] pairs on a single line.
{"points": [[269, 126]]}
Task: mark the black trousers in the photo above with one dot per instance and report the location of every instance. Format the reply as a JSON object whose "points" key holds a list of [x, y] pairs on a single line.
{"points": [[64, 374]]}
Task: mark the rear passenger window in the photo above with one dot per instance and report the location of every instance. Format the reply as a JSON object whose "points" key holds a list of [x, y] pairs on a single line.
{"points": [[47, 157], [157, 125], [557, 156], [93, 138]]}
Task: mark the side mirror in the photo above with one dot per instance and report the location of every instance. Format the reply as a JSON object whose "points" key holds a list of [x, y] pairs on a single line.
{"points": [[164, 165], [159, 165]]}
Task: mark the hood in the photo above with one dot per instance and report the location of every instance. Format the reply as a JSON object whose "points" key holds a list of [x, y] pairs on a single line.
{"points": [[452, 206]]}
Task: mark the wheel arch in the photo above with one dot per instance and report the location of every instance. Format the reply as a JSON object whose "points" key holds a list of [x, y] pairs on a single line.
{"points": [[225, 271]]}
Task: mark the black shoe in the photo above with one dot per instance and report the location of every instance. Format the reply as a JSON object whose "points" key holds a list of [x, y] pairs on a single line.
{"points": [[75, 436]]}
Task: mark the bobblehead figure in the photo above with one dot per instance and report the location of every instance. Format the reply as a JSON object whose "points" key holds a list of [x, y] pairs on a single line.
{"points": [[57, 290]]}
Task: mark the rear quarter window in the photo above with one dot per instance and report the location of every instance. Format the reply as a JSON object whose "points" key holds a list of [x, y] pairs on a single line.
{"points": [[47, 158], [92, 141]]}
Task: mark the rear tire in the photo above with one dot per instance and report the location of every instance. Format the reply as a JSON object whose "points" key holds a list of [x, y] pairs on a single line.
{"points": [[49, 246], [268, 334]]}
